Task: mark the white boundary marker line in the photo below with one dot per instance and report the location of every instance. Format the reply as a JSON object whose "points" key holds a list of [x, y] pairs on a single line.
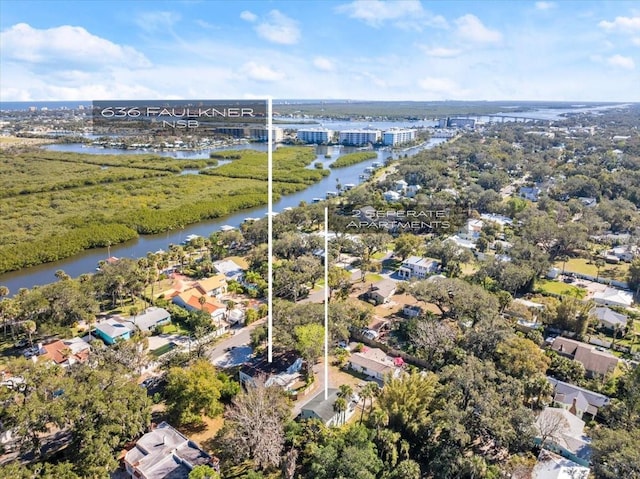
{"points": [[326, 303], [270, 229]]}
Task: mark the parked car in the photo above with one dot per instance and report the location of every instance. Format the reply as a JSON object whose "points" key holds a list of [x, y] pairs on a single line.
{"points": [[31, 352]]}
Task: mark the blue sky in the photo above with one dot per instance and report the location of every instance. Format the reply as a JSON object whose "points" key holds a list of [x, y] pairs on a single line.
{"points": [[369, 50]]}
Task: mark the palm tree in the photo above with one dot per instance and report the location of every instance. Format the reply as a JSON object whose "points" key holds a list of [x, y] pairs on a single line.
{"points": [[346, 392], [564, 258], [30, 327], [340, 406], [370, 391], [599, 264]]}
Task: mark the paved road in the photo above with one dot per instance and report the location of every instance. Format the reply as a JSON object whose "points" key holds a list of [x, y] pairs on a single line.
{"points": [[241, 337]]}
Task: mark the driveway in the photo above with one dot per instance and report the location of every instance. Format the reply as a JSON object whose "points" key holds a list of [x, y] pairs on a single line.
{"points": [[235, 357]]}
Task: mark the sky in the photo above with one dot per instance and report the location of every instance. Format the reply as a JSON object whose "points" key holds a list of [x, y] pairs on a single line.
{"points": [[320, 49]]}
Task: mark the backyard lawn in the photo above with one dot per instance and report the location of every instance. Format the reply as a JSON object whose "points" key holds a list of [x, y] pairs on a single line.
{"points": [[584, 266], [557, 287]]}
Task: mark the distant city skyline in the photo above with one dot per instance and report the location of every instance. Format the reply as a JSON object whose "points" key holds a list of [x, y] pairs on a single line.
{"points": [[359, 50]]}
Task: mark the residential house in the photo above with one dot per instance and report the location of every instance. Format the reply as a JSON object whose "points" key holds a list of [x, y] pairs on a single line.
{"points": [[165, 453], [578, 401], [65, 352], [391, 196], [177, 286], [375, 363], [412, 191], [496, 218], [149, 319], [190, 300], [529, 193], [624, 253], [561, 432], [214, 286], [283, 371], [472, 229], [614, 297], [323, 409], [609, 319], [411, 310], [596, 361], [461, 242], [381, 291], [112, 330], [417, 267], [588, 201], [553, 466], [231, 270], [400, 186]]}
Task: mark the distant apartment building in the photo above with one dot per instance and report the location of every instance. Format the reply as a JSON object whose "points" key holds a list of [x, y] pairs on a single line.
{"points": [[315, 135], [359, 137], [398, 136], [233, 131], [260, 133], [461, 123]]}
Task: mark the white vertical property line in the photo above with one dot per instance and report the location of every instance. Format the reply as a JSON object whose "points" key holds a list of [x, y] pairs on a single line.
{"points": [[270, 229], [326, 303]]}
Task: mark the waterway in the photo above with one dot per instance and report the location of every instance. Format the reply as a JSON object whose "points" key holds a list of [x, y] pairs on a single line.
{"points": [[87, 261]]}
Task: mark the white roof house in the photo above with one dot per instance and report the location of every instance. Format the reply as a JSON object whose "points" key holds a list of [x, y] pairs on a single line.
{"points": [[563, 432], [607, 318], [614, 297], [391, 195], [417, 267], [553, 466]]}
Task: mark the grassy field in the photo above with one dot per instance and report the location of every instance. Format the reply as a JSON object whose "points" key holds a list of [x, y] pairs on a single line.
{"points": [[584, 266], [556, 287]]}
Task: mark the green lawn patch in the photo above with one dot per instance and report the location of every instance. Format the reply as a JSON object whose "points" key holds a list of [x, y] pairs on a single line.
{"points": [[162, 350], [372, 277], [585, 266], [563, 289]]}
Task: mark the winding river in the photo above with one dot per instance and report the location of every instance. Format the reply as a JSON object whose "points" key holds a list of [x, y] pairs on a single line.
{"points": [[87, 261]]}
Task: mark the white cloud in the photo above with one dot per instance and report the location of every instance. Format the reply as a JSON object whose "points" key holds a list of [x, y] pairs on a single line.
{"points": [[441, 52], [636, 41], [621, 25], [66, 45], [323, 64], [407, 14], [620, 61], [261, 73], [279, 29], [206, 25], [545, 5], [157, 21], [248, 16], [442, 88], [471, 28]]}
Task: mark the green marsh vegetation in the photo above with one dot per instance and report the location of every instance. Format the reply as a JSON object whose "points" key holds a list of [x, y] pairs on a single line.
{"points": [[353, 158], [56, 204]]}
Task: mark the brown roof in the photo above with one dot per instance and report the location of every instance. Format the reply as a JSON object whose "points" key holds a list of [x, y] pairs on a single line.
{"points": [[59, 352], [593, 360], [212, 283]]}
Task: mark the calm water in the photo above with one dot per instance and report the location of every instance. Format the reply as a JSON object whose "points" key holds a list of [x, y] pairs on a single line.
{"points": [[87, 261]]}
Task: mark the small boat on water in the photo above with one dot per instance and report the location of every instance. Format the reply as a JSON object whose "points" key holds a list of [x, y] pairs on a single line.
{"points": [[190, 238], [377, 164], [316, 200], [226, 228], [349, 186], [332, 194]]}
